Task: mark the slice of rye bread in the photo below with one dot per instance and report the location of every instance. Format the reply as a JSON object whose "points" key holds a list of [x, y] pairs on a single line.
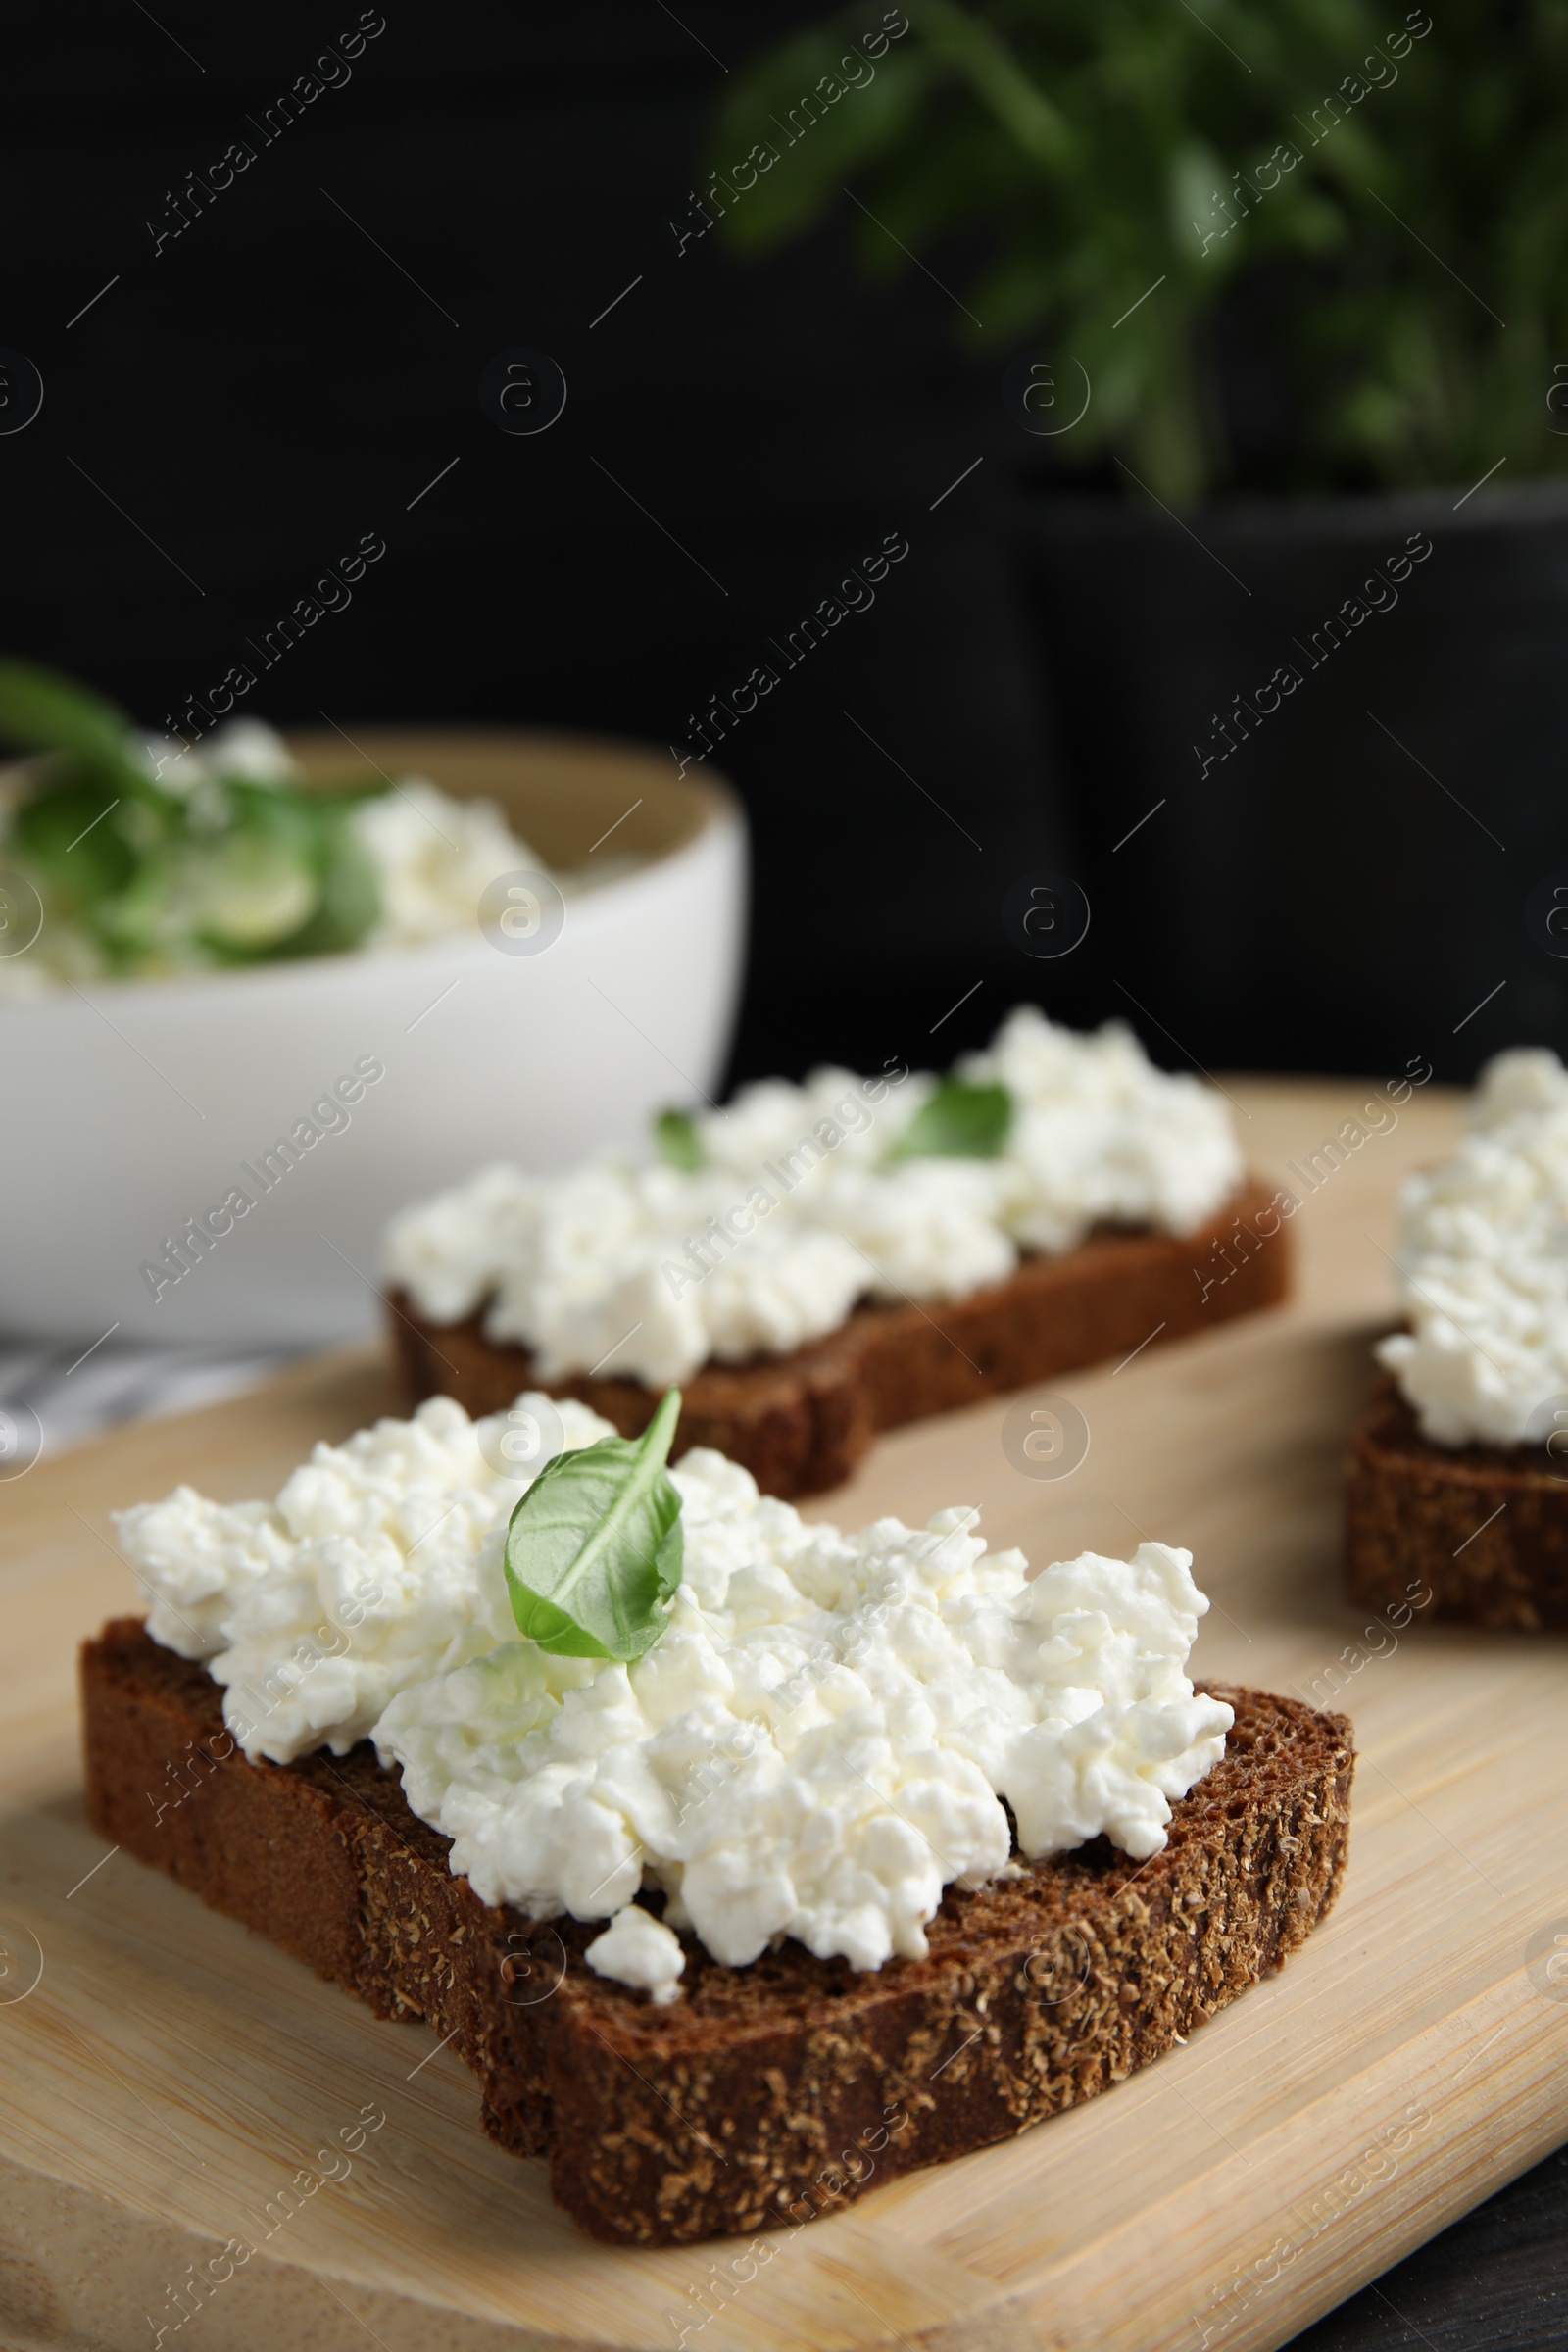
{"points": [[1481, 1530], [801, 1422], [765, 2094]]}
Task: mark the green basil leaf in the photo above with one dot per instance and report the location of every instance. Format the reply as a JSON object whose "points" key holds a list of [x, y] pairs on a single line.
{"points": [[958, 1121], [42, 711], [69, 840], [677, 1141], [594, 1552]]}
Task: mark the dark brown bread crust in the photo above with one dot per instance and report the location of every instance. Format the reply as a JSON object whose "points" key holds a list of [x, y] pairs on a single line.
{"points": [[801, 1422], [1485, 1527], [767, 2094]]}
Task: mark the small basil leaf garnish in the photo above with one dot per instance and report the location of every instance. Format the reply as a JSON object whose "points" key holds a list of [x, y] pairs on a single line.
{"points": [[594, 1550], [958, 1121], [677, 1141]]}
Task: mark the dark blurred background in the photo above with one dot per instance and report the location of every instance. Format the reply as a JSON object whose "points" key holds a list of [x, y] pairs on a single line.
{"points": [[271, 386], [301, 363]]}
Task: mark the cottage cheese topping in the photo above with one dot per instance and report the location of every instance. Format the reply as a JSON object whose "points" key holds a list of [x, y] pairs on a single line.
{"points": [[796, 1213], [817, 1744], [1485, 1265], [819, 1741], [379, 1564], [638, 1949]]}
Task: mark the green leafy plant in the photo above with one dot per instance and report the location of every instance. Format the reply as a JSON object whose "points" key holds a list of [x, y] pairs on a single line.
{"points": [[676, 1140], [594, 1550], [958, 1121], [1382, 184], [232, 871]]}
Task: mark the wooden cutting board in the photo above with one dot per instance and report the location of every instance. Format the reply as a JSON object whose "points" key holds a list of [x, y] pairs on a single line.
{"points": [[168, 2077]]}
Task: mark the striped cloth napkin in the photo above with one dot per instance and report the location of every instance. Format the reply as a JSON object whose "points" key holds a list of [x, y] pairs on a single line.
{"points": [[61, 1396]]}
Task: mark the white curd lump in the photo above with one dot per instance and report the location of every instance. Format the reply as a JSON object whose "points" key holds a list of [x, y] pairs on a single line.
{"points": [[816, 1745], [1484, 1264], [649, 1270], [378, 1564]]}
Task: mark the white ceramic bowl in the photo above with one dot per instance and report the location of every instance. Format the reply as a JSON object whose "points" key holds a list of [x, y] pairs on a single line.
{"points": [[136, 1106]]}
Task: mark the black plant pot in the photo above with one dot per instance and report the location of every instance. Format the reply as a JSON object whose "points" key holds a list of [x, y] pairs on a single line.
{"points": [[1355, 755]]}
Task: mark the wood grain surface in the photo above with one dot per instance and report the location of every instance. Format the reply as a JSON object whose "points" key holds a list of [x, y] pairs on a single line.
{"points": [[173, 2084]]}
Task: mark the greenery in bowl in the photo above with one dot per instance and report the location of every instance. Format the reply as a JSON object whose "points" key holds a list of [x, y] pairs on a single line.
{"points": [[152, 872], [1374, 191]]}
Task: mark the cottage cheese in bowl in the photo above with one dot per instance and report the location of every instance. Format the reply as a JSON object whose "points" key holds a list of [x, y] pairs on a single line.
{"points": [[429, 857], [210, 1081]]}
